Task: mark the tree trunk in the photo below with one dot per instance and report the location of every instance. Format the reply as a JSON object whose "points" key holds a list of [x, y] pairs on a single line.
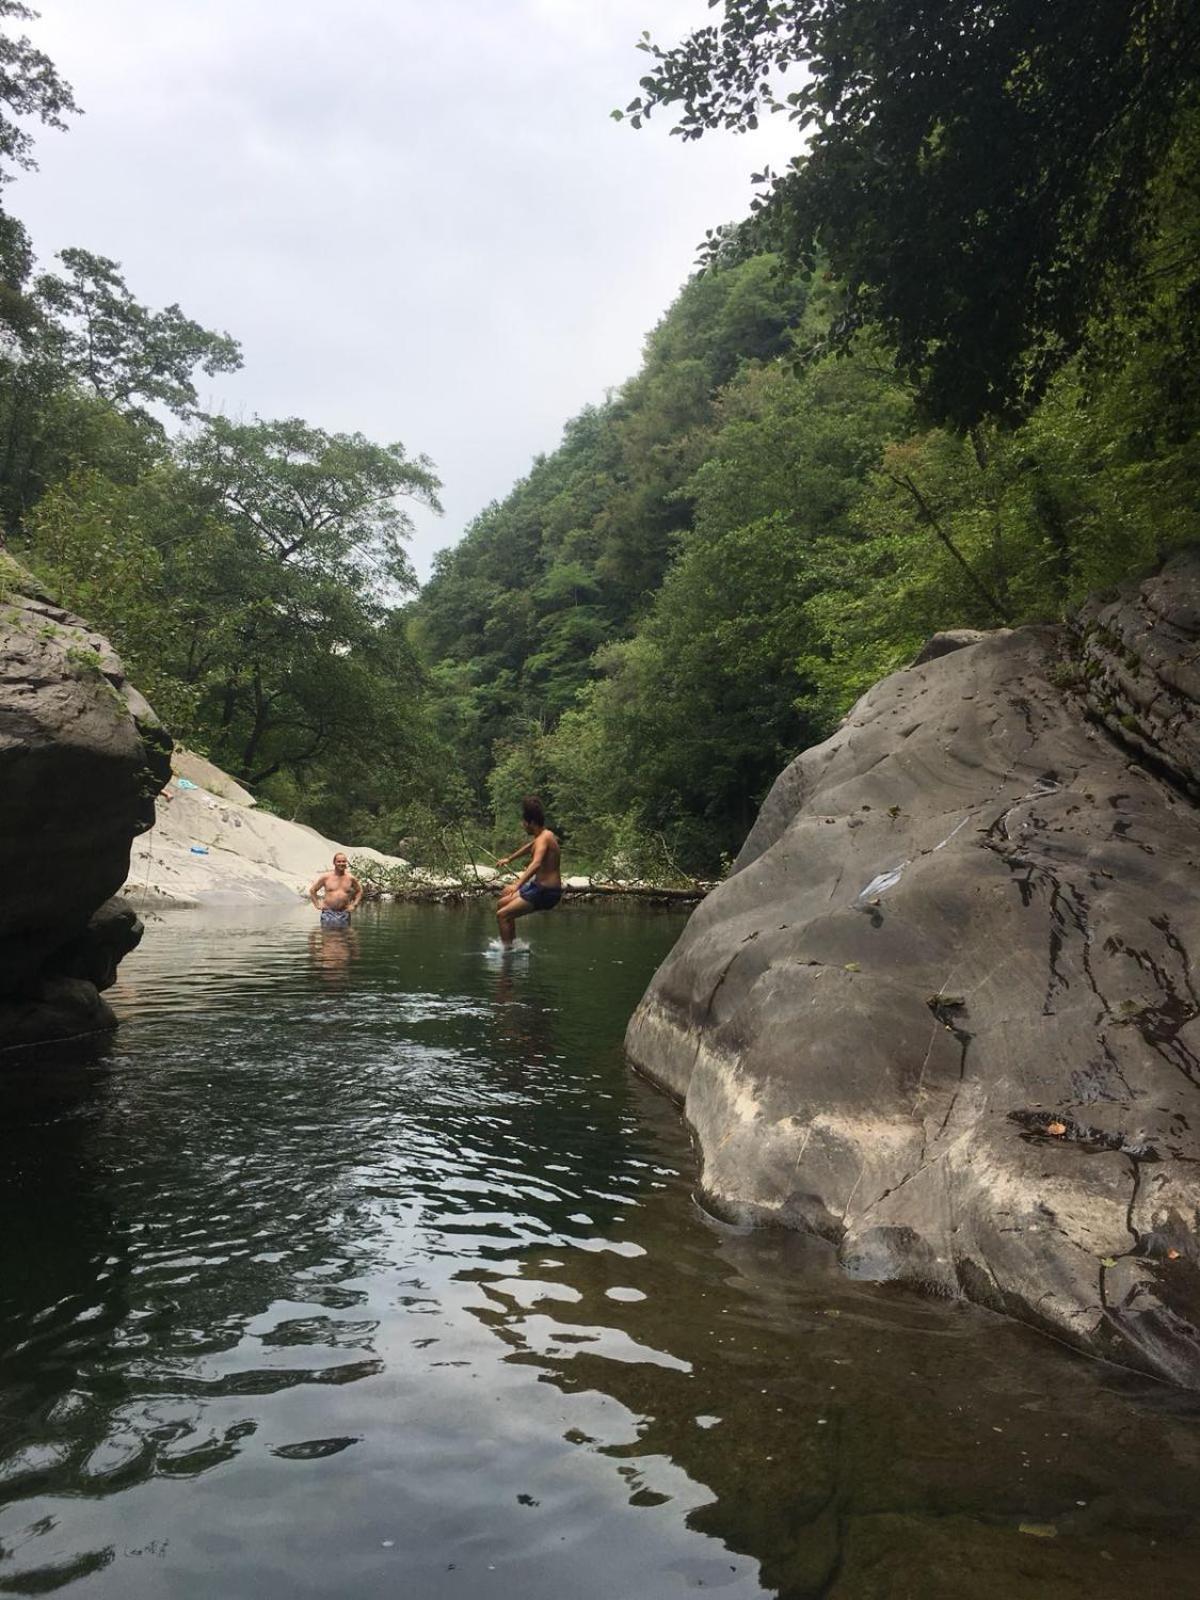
{"points": [[262, 706]]}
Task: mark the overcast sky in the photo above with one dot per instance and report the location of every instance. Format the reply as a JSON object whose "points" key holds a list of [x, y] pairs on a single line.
{"points": [[418, 219]]}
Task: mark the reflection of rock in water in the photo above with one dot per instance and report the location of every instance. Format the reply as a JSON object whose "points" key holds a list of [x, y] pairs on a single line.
{"points": [[64, 1291], [333, 951], [857, 1441]]}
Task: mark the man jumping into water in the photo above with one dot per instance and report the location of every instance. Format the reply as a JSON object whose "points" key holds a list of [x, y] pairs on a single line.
{"points": [[539, 888], [341, 892]]}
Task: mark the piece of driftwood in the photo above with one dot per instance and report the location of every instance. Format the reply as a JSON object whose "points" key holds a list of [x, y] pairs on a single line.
{"points": [[690, 895]]}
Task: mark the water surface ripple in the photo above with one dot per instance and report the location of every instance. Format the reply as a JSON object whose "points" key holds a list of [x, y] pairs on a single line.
{"points": [[362, 1266]]}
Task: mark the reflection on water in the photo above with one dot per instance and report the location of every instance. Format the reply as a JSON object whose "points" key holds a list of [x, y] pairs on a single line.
{"points": [[333, 952], [362, 1266]]}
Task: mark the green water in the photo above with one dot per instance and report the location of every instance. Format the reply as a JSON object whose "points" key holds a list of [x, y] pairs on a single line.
{"points": [[363, 1267]]}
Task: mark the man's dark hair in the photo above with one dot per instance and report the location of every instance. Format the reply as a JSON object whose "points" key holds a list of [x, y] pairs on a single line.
{"points": [[533, 811]]}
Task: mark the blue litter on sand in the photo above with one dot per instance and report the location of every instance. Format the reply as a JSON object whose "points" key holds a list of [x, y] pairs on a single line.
{"points": [[185, 783], [199, 849]]}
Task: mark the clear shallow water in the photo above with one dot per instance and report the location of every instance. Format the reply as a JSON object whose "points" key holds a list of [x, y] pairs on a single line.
{"points": [[364, 1267]]}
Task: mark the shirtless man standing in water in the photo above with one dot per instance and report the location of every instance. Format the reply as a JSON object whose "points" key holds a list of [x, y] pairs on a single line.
{"points": [[539, 888], [341, 893]]}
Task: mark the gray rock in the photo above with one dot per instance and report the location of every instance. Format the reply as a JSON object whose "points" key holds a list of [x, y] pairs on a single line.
{"points": [[1140, 667], [945, 643], [945, 1011], [82, 757], [55, 1010], [111, 933]]}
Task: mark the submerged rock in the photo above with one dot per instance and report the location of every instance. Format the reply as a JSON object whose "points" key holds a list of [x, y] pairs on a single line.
{"points": [[945, 1011], [82, 757]]}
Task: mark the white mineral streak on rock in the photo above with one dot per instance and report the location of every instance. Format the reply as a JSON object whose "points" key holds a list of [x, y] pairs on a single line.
{"points": [[881, 884], [958, 827]]}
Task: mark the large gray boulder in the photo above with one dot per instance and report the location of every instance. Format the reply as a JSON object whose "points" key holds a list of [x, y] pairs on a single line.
{"points": [[82, 757], [945, 1012]]}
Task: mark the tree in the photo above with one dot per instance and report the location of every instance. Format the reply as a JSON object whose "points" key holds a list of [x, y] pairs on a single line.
{"points": [[85, 362], [29, 87], [124, 555], [512, 617], [298, 587], [247, 578], [322, 503], [980, 172], [125, 353]]}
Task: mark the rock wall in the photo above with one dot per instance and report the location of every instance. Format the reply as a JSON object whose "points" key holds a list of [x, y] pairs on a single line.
{"points": [[82, 757], [945, 1012], [1140, 666]]}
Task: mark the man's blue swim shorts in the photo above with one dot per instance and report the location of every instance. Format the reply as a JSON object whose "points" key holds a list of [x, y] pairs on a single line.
{"points": [[540, 899]]}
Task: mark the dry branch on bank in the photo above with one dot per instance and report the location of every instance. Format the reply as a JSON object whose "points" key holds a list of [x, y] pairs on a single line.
{"points": [[418, 892]]}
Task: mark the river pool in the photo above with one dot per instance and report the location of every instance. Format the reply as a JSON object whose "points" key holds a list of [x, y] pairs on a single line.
{"points": [[362, 1266]]}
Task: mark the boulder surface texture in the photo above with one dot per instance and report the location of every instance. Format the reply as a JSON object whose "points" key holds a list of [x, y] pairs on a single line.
{"points": [[946, 1010], [82, 757]]}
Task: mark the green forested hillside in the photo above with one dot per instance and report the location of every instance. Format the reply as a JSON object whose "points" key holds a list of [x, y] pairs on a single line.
{"points": [[944, 374], [513, 616], [722, 557], [965, 395]]}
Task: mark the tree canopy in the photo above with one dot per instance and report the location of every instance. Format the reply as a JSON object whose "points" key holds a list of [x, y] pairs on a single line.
{"points": [[980, 174], [30, 87], [122, 351]]}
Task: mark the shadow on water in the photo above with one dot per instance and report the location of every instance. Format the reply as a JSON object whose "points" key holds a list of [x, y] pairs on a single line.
{"points": [[360, 1264]]}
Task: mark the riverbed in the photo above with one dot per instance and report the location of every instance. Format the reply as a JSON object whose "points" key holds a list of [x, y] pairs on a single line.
{"points": [[360, 1265]]}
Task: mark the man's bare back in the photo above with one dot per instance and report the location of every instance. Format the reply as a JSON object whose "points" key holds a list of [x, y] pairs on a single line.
{"points": [[547, 871]]}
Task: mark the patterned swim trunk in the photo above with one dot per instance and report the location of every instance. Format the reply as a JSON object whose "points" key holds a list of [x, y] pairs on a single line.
{"points": [[334, 919]]}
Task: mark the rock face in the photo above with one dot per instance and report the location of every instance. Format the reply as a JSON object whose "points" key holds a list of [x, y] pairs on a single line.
{"points": [[81, 759], [946, 1013], [1141, 668], [212, 846]]}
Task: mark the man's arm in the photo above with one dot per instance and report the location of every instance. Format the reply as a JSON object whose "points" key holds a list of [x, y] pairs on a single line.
{"points": [[539, 850], [317, 883], [503, 861], [358, 894]]}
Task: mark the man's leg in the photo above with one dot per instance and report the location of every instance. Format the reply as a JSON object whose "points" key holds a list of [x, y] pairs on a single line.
{"points": [[507, 912]]}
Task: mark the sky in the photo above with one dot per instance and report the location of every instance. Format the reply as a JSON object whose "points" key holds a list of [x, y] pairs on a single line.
{"points": [[419, 220]]}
